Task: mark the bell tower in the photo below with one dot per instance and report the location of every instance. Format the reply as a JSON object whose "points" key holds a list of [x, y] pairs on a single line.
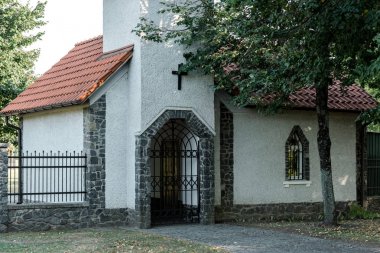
{"points": [[119, 18], [157, 90]]}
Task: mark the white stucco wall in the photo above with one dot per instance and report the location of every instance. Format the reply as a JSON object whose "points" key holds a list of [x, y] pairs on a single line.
{"points": [[119, 18], [159, 86], [59, 130], [54, 130], [122, 120], [123, 102], [116, 140], [154, 63], [259, 157]]}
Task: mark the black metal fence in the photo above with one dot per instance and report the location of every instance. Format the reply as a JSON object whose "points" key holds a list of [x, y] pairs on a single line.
{"points": [[373, 164], [47, 177]]}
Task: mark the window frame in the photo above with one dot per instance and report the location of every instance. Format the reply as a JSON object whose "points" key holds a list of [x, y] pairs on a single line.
{"points": [[302, 140]]}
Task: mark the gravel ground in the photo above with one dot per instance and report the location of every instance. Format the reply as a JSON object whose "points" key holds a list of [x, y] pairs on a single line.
{"points": [[248, 239]]}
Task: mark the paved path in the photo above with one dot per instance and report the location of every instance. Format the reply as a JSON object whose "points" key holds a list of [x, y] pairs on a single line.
{"points": [[248, 239]]}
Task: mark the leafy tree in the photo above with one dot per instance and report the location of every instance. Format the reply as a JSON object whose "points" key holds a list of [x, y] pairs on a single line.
{"points": [[261, 51], [18, 24]]}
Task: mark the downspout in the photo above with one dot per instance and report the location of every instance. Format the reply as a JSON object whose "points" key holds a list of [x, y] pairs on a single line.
{"points": [[19, 133]]}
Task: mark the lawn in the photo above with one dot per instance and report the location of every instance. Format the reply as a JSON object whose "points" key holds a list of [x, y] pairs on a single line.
{"points": [[96, 240], [358, 230]]}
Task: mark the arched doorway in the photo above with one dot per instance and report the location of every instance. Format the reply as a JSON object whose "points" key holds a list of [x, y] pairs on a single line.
{"points": [[205, 164], [174, 158]]}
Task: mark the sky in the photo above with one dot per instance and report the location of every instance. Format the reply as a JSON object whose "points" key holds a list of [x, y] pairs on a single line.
{"points": [[68, 22]]}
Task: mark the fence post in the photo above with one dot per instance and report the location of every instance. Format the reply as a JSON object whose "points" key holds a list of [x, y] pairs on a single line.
{"points": [[3, 187]]}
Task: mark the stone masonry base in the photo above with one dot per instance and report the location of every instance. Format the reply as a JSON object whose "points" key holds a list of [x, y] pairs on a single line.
{"points": [[71, 216], [372, 203], [275, 212]]}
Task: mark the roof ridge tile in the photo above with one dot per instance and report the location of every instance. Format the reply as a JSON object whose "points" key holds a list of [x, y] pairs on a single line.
{"points": [[96, 38]]}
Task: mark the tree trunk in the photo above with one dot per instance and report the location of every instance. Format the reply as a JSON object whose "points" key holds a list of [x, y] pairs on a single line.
{"points": [[324, 146]]}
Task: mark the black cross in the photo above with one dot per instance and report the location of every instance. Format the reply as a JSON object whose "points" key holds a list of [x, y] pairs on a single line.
{"points": [[179, 73]]}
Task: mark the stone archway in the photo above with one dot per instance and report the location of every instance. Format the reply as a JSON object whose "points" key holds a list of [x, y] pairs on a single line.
{"points": [[206, 166]]}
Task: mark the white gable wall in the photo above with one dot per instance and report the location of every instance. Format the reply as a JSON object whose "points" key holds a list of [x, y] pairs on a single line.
{"points": [[160, 87], [54, 130], [259, 157], [153, 64]]}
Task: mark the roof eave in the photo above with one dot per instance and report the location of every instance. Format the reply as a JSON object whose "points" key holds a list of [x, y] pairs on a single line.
{"points": [[83, 99], [105, 78], [39, 109], [305, 108], [90, 96]]}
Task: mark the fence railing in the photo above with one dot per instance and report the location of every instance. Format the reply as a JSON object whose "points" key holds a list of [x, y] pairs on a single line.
{"points": [[373, 179], [373, 164], [47, 177]]}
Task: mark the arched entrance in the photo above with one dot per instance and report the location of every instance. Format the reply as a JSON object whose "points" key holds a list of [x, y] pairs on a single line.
{"points": [[205, 167], [174, 157]]}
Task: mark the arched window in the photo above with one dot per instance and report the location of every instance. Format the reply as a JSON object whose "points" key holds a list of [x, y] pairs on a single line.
{"points": [[297, 156]]}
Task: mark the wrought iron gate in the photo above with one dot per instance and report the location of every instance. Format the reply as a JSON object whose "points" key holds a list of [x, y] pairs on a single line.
{"points": [[373, 159], [174, 175]]}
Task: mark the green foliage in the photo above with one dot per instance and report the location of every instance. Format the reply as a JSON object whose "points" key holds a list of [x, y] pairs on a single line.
{"points": [[373, 128], [358, 212], [262, 51], [372, 117], [18, 24]]}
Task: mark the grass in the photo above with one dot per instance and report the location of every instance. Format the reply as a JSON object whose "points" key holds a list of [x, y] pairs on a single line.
{"points": [[358, 212], [97, 240], [353, 230]]}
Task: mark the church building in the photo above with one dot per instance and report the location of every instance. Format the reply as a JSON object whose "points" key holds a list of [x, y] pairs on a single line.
{"points": [[163, 147]]}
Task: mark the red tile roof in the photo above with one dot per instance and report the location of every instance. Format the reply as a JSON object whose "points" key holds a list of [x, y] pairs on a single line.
{"points": [[351, 98], [72, 80], [85, 68]]}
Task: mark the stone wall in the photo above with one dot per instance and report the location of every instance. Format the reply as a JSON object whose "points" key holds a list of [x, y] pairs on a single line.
{"points": [[207, 180], [94, 146], [63, 216], [226, 157], [372, 203], [44, 217], [3, 187], [281, 211]]}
